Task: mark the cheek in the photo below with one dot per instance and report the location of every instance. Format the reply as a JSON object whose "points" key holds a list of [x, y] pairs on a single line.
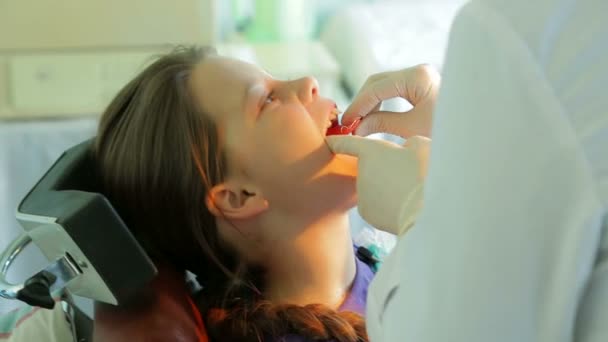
{"points": [[290, 145], [290, 132], [287, 157]]}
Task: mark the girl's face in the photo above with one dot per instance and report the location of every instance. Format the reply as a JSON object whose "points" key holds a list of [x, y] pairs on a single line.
{"points": [[273, 132]]}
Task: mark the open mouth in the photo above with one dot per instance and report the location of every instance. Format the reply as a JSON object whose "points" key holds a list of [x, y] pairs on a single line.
{"points": [[332, 119], [336, 128]]}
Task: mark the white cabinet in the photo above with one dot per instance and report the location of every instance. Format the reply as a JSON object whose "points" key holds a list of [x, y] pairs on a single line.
{"points": [[68, 84], [66, 24]]}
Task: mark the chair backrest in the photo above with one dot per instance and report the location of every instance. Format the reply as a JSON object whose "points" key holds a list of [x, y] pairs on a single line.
{"points": [[64, 214], [164, 311]]}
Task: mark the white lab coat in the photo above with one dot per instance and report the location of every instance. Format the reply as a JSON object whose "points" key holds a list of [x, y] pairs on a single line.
{"points": [[512, 244]]}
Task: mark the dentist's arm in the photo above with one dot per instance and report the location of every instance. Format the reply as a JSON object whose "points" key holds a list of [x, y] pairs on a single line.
{"points": [[509, 245]]}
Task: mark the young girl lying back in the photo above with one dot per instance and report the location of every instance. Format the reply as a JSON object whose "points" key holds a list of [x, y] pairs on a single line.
{"points": [[222, 170]]}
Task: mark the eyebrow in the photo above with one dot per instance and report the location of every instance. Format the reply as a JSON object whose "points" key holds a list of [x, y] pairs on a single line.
{"points": [[248, 97], [263, 82]]}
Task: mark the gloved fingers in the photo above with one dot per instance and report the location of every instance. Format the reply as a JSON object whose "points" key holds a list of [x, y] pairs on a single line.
{"points": [[357, 146], [417, 141], [403, 124], [366, 101], [376, 89], [384, 122], [416, 121], [417, 85], [344, 144], [349, 117], [422, 147]]}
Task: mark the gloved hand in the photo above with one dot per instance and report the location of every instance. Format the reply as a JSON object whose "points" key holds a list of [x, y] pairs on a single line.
{"points": [[418, 85], [390, 178]]}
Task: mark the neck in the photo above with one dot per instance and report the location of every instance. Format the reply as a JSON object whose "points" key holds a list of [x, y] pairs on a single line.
{"points": [[317, 267]]}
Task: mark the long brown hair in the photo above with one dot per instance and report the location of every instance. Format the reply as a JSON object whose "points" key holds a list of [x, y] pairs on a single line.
{"points": [[159, 155]]}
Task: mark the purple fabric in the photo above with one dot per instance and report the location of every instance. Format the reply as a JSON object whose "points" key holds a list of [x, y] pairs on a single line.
{"points": [[356, 300]]}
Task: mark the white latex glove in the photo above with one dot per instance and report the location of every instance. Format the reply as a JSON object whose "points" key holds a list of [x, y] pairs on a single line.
{"points": [[390, 179], [418, 85]]}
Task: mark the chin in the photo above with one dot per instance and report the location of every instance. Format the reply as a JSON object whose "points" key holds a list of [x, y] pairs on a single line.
{"points": [[339, 191]]}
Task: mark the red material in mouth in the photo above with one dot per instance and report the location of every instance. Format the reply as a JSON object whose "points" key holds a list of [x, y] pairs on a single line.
{"points": [[337, 129]]}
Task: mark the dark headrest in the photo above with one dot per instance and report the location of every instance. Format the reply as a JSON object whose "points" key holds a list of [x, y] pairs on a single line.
{"points": [[68, 194]]}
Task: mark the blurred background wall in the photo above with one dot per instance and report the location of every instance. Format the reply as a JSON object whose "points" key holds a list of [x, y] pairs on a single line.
{"points": [[36, 24]]}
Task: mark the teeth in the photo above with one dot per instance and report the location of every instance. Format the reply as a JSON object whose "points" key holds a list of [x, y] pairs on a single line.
{"points": [[333, 115]]}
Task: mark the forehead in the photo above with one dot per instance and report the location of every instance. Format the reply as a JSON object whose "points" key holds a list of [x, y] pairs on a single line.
{"points": [[218, 80], [217, 69]]}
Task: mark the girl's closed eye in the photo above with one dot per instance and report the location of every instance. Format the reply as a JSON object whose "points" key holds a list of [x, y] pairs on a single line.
{"points": [[268, 100]]}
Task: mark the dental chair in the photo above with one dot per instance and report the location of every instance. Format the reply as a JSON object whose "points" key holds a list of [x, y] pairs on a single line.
{"points": [[92, 254]]}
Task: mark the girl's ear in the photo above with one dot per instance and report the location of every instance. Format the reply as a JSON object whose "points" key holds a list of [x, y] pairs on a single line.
{"points": [[235, 201]]}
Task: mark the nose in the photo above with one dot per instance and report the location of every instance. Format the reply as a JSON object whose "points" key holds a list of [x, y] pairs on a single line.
{"points": [[307, 88]]}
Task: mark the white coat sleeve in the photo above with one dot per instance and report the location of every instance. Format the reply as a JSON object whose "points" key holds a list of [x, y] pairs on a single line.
{"points": [[511, 241]]}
